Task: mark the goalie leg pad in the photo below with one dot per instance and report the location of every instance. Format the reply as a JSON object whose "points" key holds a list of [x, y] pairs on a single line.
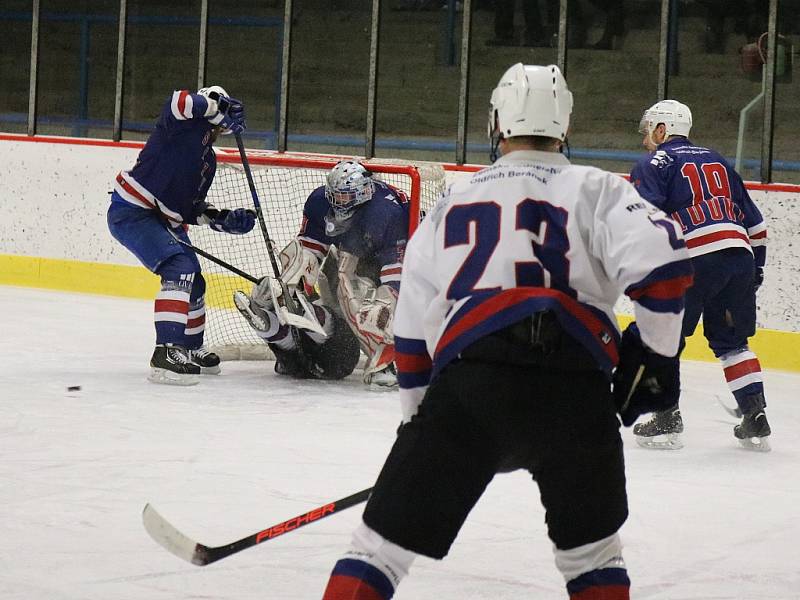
{"points": [[376, 313]]}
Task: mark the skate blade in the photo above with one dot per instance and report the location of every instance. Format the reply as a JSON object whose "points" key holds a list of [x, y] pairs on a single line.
{"points": [[210, 370], [383, 387], [667, 441], [167, 377], [755, 444]]}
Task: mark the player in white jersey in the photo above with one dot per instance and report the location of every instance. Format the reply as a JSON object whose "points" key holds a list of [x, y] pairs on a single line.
{"points": [[506, 343]]}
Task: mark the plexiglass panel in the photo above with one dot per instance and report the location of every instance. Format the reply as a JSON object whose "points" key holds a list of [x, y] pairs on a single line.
{"points": [[503, 35], [418, 82], [161, 56], [717, 73], [77, 67], [612, 70], [244, 57], [15, 59], [329, 70], [786, 151]]}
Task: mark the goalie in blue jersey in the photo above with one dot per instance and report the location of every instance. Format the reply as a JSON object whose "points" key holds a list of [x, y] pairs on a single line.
{"points": [[151, 206], [357, 225]]}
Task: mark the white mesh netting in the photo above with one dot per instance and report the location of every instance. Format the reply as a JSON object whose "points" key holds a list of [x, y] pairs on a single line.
{"points": [[282, 183]]}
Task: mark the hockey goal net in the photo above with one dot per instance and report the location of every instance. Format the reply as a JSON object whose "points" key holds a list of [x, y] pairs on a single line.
{"points": [[283, 182]]}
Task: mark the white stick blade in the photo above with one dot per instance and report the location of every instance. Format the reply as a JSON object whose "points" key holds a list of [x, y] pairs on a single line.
{"points": [[167, 536], [299, 321]]}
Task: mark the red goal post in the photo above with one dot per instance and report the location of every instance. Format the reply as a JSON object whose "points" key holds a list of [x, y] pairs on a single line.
{"points": [[283, 182]]}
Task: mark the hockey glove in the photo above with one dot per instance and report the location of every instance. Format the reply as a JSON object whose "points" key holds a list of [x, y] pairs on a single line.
{"points": [[644, 381], [237, 221], [232, 111], [758, 279]]}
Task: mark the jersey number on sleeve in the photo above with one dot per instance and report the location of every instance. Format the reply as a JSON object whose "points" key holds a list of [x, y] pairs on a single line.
{"points": [[547, 225]]}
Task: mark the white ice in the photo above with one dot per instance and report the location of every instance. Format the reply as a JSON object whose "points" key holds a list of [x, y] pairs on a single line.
{"points": [[247, 449]]}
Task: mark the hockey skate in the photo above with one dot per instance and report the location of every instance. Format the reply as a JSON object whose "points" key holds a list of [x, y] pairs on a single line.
{"points": [[243, 305], [207, 361], [170, 364], [754, 429], [383, 380], [662, 432]]}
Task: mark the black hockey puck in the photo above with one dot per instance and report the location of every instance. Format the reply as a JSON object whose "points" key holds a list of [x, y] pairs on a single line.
{"points": [[74, 388]]}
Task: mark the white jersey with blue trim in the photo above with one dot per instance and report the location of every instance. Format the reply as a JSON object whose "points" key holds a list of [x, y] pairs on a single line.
{"points": [[533, 233]]}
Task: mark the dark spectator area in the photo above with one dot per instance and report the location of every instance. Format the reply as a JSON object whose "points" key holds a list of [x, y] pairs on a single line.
{"points": [[612, 63]]}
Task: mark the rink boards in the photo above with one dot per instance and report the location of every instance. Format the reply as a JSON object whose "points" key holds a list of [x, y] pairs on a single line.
{"points": [[56, 192]]}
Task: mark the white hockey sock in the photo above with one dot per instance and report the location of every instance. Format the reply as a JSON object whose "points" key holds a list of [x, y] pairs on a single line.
{"points": [[602, 554], [372, 548]]}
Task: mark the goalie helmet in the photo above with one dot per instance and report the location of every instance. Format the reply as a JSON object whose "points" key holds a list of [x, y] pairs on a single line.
{"points": [[676, 117], [213, 92], [530, 100], [348, 184]]}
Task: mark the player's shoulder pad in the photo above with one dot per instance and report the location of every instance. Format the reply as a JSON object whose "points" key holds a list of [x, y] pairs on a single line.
{"points": [[389, 193], [317, 203]]}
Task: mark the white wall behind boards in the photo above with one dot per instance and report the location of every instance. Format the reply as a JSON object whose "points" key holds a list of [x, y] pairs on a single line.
{"points": [[54, 198], [58, 195]]}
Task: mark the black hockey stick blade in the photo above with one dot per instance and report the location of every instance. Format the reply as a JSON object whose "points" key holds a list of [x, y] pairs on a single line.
{"points": [[735, 412], [201, 555]]}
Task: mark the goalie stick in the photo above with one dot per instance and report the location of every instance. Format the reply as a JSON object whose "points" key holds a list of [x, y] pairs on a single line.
{"points": [[201, 555], [295, 320], [290, 304]]}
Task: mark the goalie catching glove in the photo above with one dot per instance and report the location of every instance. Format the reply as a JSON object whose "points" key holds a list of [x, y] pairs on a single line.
{"points": [[644, 381]]}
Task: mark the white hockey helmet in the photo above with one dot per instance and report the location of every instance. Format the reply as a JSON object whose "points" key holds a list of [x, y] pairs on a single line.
{"points": [[676, 117], [348, 184], [213, 92], [530, 100]]}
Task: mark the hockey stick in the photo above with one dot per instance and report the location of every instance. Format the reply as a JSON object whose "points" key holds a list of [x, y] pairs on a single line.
{"points": [[295, 320], [735, 412], [290, 304], [199, 554], [214, 259]]}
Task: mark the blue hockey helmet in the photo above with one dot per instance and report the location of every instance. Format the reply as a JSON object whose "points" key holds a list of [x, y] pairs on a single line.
{"points": [[347, 185]]}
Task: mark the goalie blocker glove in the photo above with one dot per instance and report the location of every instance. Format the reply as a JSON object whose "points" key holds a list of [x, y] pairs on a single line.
{"points": [[644, 381]]}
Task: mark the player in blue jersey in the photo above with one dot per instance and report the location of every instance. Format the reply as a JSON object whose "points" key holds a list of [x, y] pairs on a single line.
{"points": [[151, 206], [506, 343], [358, 225], [726, 237]]}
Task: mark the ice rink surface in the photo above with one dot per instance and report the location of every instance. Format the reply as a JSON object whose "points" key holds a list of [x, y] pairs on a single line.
{"points": [[247, 449]]}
